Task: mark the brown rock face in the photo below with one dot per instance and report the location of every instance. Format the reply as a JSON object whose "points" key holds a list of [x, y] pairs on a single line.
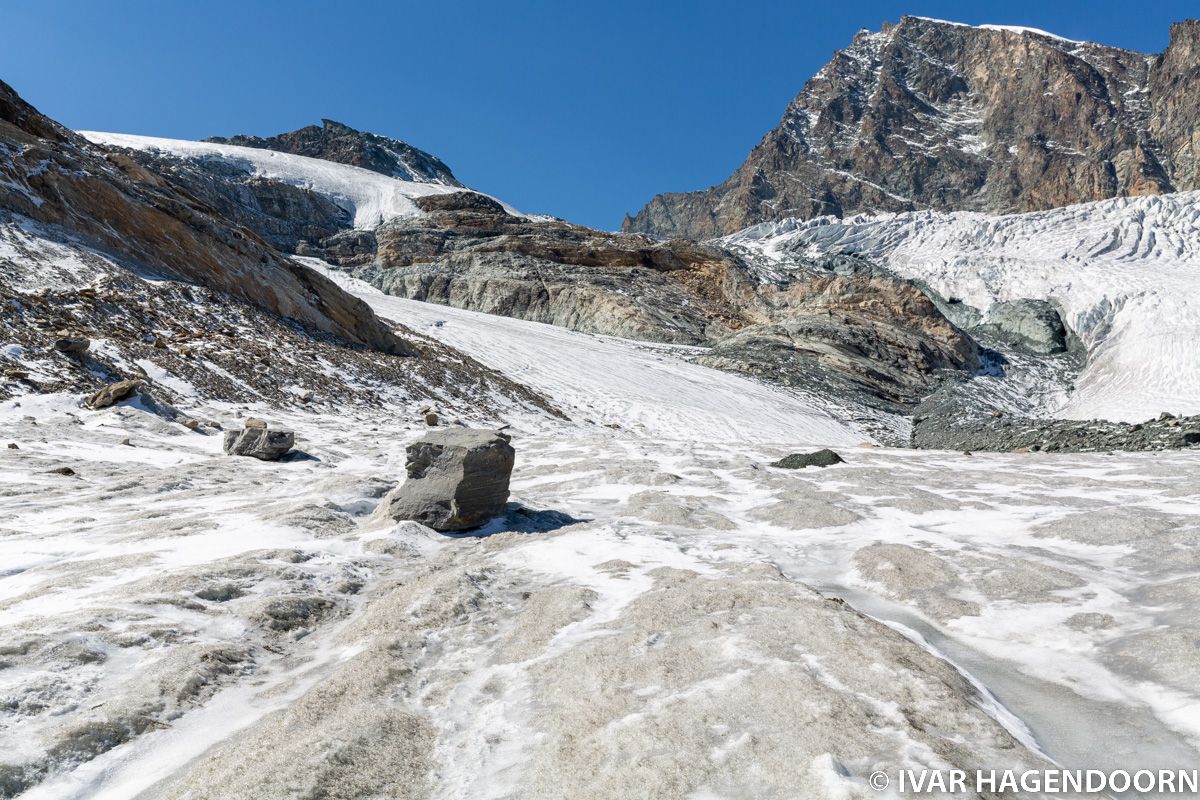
{"points": [[466, 251], [1175, 89], [927, 114], [50, 175], [471, 221]]}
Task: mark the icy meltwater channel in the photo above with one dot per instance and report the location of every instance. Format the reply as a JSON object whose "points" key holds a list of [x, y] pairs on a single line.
{"points": [[1060, 583]]}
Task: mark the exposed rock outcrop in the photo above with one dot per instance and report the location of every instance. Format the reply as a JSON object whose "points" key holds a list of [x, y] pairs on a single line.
{"points": [[466, 251], [457, 479], [873, 338], [1032, 325], [938, 115], [334, 141]]}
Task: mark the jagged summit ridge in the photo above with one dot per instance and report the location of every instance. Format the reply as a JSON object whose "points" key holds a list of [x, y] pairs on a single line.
{"points": [[335, 141], [928, 114]]}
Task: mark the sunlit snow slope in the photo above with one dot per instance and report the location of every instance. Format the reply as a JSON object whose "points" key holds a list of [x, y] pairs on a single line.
{"points": [[640, 387], [372, 198], [1125, 272]]}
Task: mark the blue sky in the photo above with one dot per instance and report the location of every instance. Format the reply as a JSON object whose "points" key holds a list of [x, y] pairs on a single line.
{"points": [[583, 110]]}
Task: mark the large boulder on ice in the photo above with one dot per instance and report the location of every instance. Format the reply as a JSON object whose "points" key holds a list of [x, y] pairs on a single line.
{"points": [[457, 479], [256, 440]]}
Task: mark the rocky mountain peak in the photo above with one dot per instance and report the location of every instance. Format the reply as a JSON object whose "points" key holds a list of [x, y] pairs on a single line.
{"points": [[1185, 34], [1175, 120], [929, 114], [339, 128], [18, 116], [338, 142]]}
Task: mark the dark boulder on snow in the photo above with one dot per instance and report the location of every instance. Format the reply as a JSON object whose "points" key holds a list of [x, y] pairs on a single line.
{"points": [[72, 345], [821, 458]]}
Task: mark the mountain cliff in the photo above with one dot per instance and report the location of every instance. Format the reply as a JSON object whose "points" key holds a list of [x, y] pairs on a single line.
{"points": [[927, 114]]}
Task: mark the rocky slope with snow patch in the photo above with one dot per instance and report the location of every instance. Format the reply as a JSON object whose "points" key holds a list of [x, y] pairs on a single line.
{"points": [[369, 197], [158, 287], [54, 177], [191, 344], [927, 114], [333, 141]]}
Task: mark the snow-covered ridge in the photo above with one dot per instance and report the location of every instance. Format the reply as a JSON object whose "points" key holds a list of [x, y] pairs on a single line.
{"points": [[371, 197], [1010, 28], [1125, 272]]}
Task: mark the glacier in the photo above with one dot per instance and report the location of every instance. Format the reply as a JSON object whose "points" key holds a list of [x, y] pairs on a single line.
{"points": [[1124, 273], [1028, 599], [662, 613]]}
